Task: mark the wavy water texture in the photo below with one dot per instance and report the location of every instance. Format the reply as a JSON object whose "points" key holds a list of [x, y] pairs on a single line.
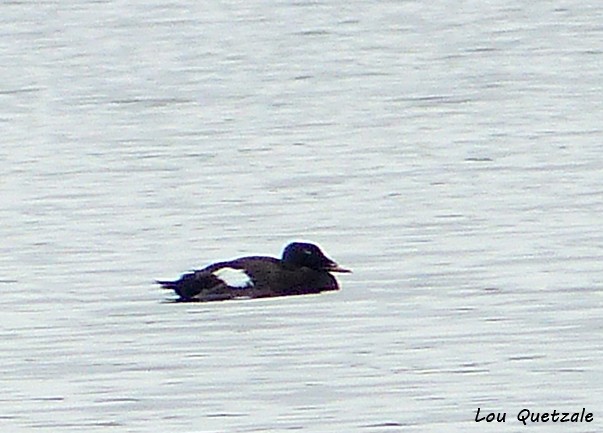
{"points": [[450, 154]]}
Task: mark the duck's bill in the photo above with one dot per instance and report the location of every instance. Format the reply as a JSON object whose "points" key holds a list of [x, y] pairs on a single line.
{"points": [[336, 268]]}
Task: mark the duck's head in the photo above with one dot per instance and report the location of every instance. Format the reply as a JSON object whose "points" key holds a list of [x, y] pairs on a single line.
{"points": [[310, 256]]}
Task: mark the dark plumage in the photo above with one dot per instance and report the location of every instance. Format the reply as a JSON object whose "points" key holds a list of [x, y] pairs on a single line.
{"points": [[303, 269]]}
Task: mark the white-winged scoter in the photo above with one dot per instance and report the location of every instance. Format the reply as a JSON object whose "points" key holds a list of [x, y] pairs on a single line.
{"points": [[303, 269]]}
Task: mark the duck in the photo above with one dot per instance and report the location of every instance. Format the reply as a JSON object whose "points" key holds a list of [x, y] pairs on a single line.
{"points": [[303, 269]]}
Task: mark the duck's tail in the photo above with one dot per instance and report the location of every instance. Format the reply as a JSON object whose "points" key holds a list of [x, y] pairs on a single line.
{"points": [[168, 285], [187, 287]]}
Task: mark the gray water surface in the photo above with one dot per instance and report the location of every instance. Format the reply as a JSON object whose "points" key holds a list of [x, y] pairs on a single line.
{"points": [[450, 154]]}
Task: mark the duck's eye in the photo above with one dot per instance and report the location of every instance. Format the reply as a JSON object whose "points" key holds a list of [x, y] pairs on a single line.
{"points": [[308, 252]]}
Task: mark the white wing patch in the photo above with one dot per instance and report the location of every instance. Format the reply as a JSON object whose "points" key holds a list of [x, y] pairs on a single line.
{"points": [[234, 277]]}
